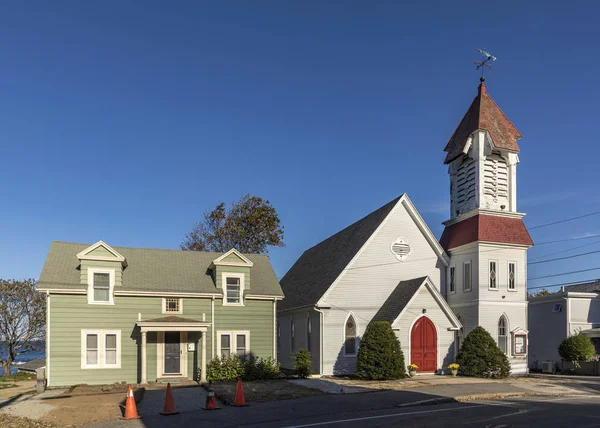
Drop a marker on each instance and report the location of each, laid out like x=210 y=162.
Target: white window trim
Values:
x=497 y=287
x=450 y=291
x=232 y=340
x=224 y=277
x=90 y=291
x=164 y=306
x=101 y=349
x=356 y=342
x=508 y=276
x=464 y=283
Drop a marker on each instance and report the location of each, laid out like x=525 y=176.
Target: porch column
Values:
x=144 y=358
x=203 y=375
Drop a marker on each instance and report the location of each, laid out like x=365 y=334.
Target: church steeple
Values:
x=482 y=158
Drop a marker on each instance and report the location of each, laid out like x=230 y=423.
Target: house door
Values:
x=172 y=352
x=423 y=345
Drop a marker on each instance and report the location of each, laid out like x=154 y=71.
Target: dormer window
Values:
x=233 y=289
x=101 y=283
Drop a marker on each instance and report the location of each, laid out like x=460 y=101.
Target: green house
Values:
x=138 y=315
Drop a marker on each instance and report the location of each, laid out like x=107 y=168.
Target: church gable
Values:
x=401 y=248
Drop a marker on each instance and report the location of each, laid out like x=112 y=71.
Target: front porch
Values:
x=179 y=341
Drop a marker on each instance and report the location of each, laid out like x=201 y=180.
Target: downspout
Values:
x=321 y=322
x=212 y=330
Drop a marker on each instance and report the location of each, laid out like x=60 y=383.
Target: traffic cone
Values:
x=239 y=395
x=169 y=408
x=130 y=407
x=211 y=401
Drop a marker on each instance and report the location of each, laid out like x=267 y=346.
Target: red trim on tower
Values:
x=486 y=228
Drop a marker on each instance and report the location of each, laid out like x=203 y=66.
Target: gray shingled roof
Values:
x=398 y=300
x=155 y=270
x=312 y=274
x=588 y=287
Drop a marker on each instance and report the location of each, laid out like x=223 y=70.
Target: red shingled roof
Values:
x=486 y=228
x=485 y=114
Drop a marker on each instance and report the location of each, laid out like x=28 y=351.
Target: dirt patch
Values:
x=9 y=421
x=88 y=404
x=262 y=391
x=16 y=388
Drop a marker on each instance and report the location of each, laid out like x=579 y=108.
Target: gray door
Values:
x=172 y=352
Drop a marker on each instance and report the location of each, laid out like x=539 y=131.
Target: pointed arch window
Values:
x=502 y=334
x=308 y=333
x=350 y=336
x=293 y=336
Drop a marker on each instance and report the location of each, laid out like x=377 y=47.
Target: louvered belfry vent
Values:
x=401 y=249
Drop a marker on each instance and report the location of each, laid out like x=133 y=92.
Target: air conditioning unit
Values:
x=548 y=367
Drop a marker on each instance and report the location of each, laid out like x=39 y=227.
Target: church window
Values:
x=400 y=249
x=293 y=335
x=493 y=275
x=512 y=276
x=308 y=333
x=467 y=276
x=452 y=279
x=502 y=339
x=350 y=336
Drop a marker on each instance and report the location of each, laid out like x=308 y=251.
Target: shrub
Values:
x=224 y=369
x=302 y=364
x=577 y=348
x=379 y=355
x=248 y=368
x=479 y=356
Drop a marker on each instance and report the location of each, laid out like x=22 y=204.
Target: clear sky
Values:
x=126 y=120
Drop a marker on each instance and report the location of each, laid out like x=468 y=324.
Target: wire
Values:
x=564 y=251
x=562 y=274
x=562 y=284
x=564 y=221
x=537 y=244
x=563 y=258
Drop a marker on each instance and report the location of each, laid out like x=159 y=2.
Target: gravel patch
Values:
x=10 y=421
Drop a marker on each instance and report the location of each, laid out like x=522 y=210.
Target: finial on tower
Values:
x=484 y=62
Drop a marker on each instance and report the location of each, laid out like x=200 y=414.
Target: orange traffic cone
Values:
x=130 y=407
x=211 y=401
x=169 y=403
x=239 y=395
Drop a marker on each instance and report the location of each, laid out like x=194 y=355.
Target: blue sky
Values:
x=126 y=120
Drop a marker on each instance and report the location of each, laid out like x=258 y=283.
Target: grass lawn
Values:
x=262 y=390
x=18 y=376
x=7 y=385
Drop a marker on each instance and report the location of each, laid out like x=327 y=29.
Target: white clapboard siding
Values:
x=503 y=255
x=372 y=276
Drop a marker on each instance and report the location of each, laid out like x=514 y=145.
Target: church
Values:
x=388 y=266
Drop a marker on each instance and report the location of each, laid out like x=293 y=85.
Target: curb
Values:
x=467 y=398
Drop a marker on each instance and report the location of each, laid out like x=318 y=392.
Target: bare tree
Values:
x=22 y=318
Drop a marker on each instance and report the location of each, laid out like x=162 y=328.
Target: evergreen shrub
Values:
x=479 y=356
x=380 y=356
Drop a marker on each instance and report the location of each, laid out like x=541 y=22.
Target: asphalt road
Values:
x=352 y=411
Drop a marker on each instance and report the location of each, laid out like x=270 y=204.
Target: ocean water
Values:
x=38 y=352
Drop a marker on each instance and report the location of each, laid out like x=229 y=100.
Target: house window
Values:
x=557 y=307
x=512 y=276
x=350 y=336
x=233 y=343
x=493 y=275
x=293 y=336
x=100 y=286
x=233 y=289
x=225 y=345
x=100 y=349
x=308 y=333
x=172 y=306
x=452 y=280
x=467 y=276
x=502 y=342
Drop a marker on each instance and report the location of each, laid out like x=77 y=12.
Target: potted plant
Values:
x=412 y=369
x=453 y=368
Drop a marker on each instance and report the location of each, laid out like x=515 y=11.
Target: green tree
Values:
x=542 y=292
x=380 y=356
x=302 y=363
x=22 y=318
x=578 y=347
x=479 y=356
x=250 y=226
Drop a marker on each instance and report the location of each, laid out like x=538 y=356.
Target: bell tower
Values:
x=485 y=236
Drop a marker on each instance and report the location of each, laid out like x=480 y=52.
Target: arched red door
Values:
x=423 y=345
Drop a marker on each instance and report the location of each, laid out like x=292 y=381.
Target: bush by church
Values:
x=479 y=356
x=379 y=355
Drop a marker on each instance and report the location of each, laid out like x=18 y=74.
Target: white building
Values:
x=389 y=266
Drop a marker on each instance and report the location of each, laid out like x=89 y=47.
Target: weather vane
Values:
x=484 y=62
